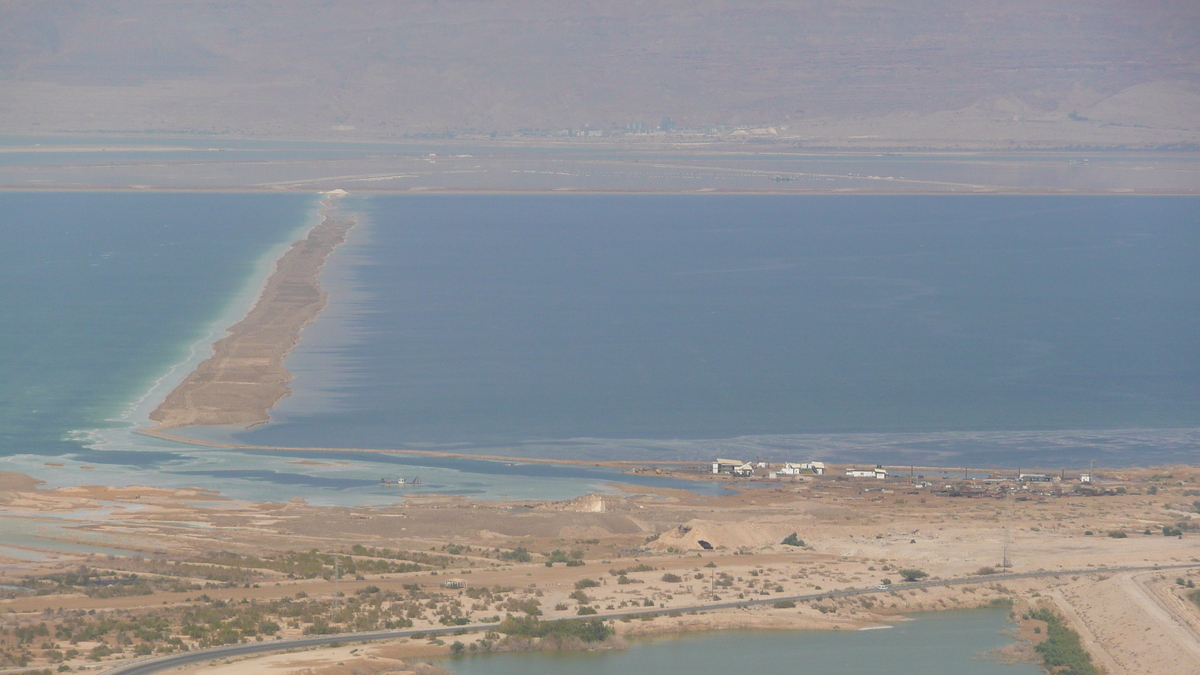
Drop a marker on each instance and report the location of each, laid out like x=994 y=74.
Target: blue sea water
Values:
x=104 y=294
x=110 y=299
x=1055 y=329
x=942 y=330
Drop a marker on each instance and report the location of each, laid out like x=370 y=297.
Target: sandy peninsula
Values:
x=244 y=378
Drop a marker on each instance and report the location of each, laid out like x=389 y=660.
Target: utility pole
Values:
x=337 y=587
x=1005 y=562
x=712 y=583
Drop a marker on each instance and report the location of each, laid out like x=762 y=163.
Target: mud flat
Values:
x=244 y=378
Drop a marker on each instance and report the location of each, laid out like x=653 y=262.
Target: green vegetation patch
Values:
x=591 y=630
x=1062 y=651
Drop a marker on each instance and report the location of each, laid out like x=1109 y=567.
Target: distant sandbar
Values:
x=244 y=378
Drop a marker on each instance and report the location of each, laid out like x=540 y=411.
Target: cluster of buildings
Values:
x=737 y=467
x=1034 y=482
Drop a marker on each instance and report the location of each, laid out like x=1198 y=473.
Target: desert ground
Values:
x=186 y=569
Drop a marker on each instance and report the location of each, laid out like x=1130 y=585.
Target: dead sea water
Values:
x=105 y=293
x=990 y=330
x=109 y=299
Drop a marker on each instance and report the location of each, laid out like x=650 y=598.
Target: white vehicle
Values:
x=883 y=587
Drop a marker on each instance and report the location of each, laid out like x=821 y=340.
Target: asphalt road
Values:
x=160 y=663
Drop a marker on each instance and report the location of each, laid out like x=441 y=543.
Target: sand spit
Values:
x=245 y=377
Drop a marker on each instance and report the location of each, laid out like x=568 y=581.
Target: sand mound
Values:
x=754 y=535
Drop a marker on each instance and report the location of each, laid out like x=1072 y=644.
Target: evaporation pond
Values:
x=945 y=643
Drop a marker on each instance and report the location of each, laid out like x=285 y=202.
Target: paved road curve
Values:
x=160 y=663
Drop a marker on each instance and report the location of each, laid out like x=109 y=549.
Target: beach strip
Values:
x=244 y=378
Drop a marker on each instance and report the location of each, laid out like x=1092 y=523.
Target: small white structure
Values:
x=1035 y=478
x=454 y=583
x=878 y=473
x=1085 y=478
x=746 y=469
x=790 y=469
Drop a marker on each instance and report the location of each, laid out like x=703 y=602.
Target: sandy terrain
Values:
x=244 y=378
x=855 y=535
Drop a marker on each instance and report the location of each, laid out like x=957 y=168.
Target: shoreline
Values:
x=162 y=433
x=842 y=579
x=244 y=377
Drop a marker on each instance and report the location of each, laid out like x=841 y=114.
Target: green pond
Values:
x=941 y=643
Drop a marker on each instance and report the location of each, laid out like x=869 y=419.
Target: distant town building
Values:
x=726 y=465
x=815 y=467
x=1036 y=478
x=878 y=473
x=790 y=469
x=1085 y=478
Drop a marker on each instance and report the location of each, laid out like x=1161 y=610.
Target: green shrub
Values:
x=913 y=575
x=671 y=578
x=518 y=554
x=792 y=540
x=1062 y=650
x=592 y=630
x=1117 y=534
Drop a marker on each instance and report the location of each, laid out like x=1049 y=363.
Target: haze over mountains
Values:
x=975 y=73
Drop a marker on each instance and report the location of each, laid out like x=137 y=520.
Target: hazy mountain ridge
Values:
x=919 y=74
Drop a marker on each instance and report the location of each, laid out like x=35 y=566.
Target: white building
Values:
x=790 y=469
x=726 y=465
x=878 y=473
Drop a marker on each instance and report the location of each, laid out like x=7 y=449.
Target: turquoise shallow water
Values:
x=981 y=330
x=109 y=299
x=949 y=329
x=946 y=643
x=103 y=293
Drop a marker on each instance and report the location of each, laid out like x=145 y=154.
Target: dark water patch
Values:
x=283 y=478
x=498 y=468
x=678 y=327
x=142 y=459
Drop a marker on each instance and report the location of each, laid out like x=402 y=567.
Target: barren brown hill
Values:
x=883 y=73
